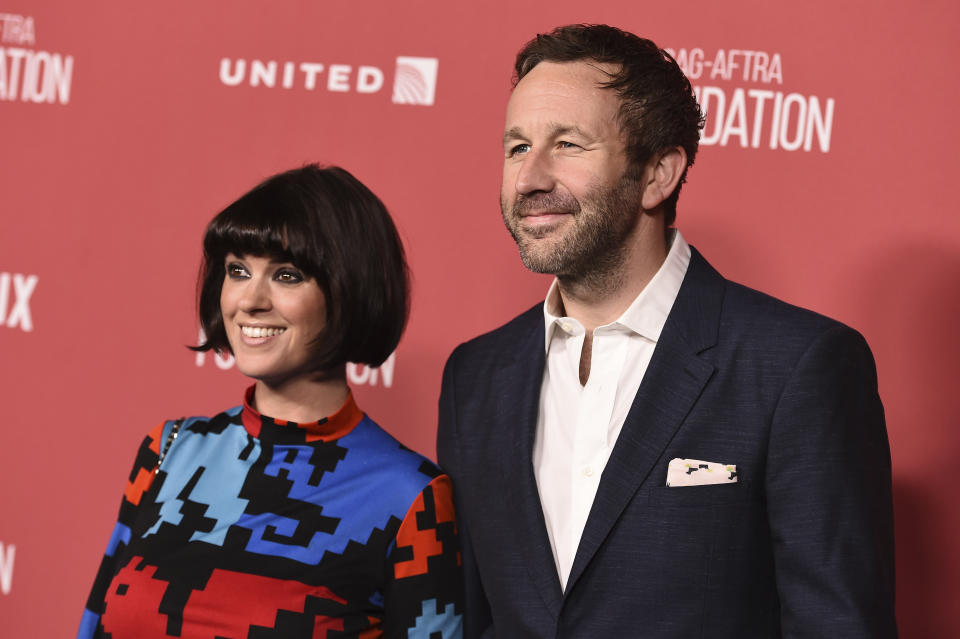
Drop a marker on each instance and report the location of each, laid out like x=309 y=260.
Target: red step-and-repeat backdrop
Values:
x=826 y=177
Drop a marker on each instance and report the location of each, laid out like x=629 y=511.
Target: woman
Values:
x=265 y=521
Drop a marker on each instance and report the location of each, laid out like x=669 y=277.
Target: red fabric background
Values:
x=104 y=195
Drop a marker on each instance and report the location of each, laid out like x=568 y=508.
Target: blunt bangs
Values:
x=264 y=223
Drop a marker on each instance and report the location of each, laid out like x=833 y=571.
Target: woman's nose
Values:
x=255 y=296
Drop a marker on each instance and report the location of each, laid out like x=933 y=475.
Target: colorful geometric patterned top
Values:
x=255 y=527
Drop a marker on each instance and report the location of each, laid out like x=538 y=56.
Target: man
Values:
x=654 y=451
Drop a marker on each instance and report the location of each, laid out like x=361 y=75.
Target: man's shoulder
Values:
x=749 y=316
x=758 y=309
x=761 y=313
x=758 y=338
x=503 y=340
x=746 y=307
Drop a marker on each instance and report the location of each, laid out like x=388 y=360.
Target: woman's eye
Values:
x=235 y=270
x=289 y=276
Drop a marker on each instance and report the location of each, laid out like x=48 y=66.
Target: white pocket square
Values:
x=693 y=472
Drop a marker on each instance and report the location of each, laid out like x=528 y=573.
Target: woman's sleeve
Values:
x=424 y=593
x=141 y=478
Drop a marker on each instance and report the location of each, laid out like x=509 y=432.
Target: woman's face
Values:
x=272 y=314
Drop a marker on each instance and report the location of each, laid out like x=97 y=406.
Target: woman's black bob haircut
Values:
x=333 y=228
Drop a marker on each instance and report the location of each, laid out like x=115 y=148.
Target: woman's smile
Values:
x=251 y=333
x=273 y=314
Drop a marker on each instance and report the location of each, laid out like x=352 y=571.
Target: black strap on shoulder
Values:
x=166 y=445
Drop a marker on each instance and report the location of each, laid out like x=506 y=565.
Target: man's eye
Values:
x=567 y=145
x=519 y=148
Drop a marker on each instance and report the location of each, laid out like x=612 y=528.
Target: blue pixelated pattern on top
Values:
x=373 y=459
x=448 y=623
x=320 y=504
x=120 y=533
x=88 y=624
x=221 y=476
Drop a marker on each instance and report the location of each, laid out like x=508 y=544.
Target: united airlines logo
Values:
x=414 y=79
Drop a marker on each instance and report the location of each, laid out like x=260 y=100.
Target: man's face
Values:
x=568 y=195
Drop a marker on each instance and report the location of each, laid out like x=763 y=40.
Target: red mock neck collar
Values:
x=326 y=429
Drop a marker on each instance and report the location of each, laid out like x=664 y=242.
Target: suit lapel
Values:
x=521 y=380
x=672 y=383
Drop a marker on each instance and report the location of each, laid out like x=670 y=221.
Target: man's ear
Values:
x=661 y=176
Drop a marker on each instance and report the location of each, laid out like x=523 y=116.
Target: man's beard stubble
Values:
x=593 y=251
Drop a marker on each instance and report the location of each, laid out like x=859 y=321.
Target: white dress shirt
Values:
x=577 y=426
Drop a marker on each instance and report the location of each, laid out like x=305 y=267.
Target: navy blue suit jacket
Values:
x=800 y=546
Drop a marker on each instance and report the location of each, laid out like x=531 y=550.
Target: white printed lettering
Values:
x=730 y=64
x=690 y=62
x=775 y=121
x=716 y=111
x=4 y=295
x=234 y=78
x=7 y=554
x=356 y=373
x=338 y=77
x=29 y=88
x=224 y=360
x=17 y=29
x=760 y=67
x=13 y=76
x=363 y=374
x=822 y=123
x=369 y=80
x=60 y=79
x=311 y=70
x=19 y=315
x=38 y=76
x=261 y=72
x=796 y=120
x=775 y=73
x=271 y=74
x=719 y=66
x=785 y=141
x=761 y=97
x=736 y=120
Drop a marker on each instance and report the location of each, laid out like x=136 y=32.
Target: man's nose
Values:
x=536 y=173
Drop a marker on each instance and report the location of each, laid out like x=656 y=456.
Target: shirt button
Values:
x=588 y=471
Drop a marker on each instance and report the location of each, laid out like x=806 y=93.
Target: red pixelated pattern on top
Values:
x=144 y=478
x=228 y=606
x=424 y=541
